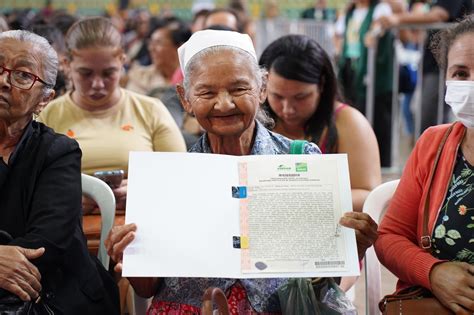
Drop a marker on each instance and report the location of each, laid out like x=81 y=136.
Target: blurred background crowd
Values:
x=379 y=49
x=368 y=70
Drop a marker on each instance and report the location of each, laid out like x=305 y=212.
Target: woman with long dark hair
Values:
x=304 y=101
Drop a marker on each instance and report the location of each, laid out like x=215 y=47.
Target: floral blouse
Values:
x=453 y=236
x=261 y=293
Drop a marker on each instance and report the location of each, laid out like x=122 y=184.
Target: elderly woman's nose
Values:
x=224 y=102
x=4 y=81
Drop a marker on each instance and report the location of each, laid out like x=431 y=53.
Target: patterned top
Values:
x=262 y=293
x=454 y=229
x=266 y=143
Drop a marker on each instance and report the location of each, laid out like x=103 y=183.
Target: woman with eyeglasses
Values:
x=43 y=254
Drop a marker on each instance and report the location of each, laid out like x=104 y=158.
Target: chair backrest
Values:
x=375 y=204
x=101 y=193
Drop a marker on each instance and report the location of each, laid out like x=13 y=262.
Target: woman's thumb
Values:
x=32 y=253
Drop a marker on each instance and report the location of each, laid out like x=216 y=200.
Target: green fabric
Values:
x=297 y=146
x=384 y=58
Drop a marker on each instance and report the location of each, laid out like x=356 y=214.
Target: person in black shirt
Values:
x=320 y=12
x=43 y=250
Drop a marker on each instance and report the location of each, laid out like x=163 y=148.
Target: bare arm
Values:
x=338 y=42
x=357 y=139
x=435 y=15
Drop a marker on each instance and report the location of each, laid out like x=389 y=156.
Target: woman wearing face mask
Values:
x=435 y=250
x=107 y=121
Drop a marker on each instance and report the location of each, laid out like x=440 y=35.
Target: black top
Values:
x=453 y=235
x=319 y=15
x=457 y=9
x=40 y=206
x=3 y=166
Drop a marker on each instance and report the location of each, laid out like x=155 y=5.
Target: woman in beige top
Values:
x=106 y=120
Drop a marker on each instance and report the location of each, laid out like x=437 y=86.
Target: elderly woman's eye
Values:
x=22 y=77
x=206 y=94
x=239 y=90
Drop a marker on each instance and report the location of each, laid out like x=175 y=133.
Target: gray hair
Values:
x=260 y=75
x=49 y=55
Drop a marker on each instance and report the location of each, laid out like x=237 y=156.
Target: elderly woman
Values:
x=426 y=237
x=223 y=88
x=43 y=251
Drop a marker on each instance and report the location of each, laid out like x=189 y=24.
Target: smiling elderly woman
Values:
x=42 y=247
x=223 y=88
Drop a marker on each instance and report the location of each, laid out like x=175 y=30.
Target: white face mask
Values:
x=460 y=96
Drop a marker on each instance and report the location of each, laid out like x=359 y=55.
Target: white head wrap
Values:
x=210 y=38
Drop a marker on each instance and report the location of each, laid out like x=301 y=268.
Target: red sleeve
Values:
x=397 y=247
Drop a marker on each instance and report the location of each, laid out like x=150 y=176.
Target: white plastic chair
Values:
x=375 y=204
x=140 y=305
x=101 y=193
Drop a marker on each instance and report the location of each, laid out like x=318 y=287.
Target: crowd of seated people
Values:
x=111 y=90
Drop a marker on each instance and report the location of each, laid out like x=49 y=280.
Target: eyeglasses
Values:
x=21 y=79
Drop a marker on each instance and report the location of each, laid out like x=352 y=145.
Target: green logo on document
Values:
x=283 y=167
x=301 y=167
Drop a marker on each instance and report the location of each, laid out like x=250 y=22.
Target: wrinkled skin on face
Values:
x=16 y=105
x=224 y=96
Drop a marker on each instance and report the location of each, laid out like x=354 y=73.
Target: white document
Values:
x=190 y=221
